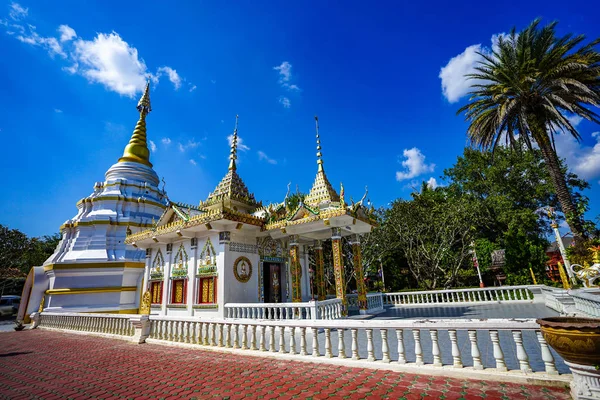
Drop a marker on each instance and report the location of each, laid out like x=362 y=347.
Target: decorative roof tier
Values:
x=137 y=148
x=322 y=190
x=231 y=186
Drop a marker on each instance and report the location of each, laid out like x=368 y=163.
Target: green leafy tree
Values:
x=510 y=186
x=526 y=87
x=434 y=231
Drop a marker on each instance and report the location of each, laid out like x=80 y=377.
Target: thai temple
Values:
x=130 y=240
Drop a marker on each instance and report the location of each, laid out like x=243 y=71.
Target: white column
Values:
x=166 y=283
x=191 y=286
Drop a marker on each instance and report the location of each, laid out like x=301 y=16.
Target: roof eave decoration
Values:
x=209 y=216
x=137 y=148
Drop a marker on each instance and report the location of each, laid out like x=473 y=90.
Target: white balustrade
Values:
x=328 y=309
x=587 y=303
x=107 y=324
x=500 y=294
x=487 y=345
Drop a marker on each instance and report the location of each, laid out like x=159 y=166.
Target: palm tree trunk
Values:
x=560 y=186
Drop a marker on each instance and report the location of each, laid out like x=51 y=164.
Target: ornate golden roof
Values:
x=322 y=191
x=137 y=148
x=231 y=186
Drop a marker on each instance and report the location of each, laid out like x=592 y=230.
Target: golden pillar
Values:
x=320 y=271
x=358 y=272
x=338 y=268
x=296 y=269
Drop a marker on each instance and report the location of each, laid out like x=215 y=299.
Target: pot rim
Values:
x=569 y=322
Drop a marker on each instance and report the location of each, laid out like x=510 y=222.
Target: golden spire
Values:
x=319 y=159
x=233 y=154
x=137 y=148
x=322 y=191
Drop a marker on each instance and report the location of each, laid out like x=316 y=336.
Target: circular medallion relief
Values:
x=242 y=269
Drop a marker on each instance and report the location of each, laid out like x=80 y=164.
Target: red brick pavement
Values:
x=52 y=365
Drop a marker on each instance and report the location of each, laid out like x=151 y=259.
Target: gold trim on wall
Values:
x=92 y=290
x=118 y=264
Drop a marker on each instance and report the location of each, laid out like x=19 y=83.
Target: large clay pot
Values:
x=577 y=340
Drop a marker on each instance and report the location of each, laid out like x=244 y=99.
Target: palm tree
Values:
x=526 y=88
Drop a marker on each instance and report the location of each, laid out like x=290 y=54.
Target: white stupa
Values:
x=92 y=269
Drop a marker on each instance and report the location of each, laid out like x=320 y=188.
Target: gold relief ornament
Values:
x=42 y=304
x=242 y=269
x=146 y=301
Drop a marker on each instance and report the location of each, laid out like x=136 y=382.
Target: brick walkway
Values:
x=52 y=365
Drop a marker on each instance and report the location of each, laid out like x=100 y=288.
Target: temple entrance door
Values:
x=272 y=282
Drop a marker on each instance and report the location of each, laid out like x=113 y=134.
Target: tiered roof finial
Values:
x=137 y=148
x=322 y=191
x=233 y=154
x=319 y=155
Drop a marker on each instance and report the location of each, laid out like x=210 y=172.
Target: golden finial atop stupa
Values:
x=319 y=155
x=234 y=139
x=137 y=148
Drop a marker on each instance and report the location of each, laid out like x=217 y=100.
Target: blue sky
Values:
x=385 y=79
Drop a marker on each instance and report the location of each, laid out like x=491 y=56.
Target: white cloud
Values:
x=581 y=159
x=172 y=74
x=17 y=12
x=66 y=33
x=285 y=102
x=285 y=80
x=58 y=110
x=285 y=71
x=191 y=144
x=106 y=59
x=193 y=162
x=414 y=165
x=166 y=141
x=454 y=83
x=152 y=146
x=263 y=156
x=193 y=88
x=432 y=183
x=49 y=43
x=111 y=61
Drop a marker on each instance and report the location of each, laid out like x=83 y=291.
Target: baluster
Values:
x=315 y=343
x=262 y=347
x=498 y=354
x=282 y=339
x=341 y=344
x=303 y=341
x=370 y=349
x=194 y=332
x=171 y=325
x=385 y=349
x=236 y=339
x=521 y=353
x=355 y=355
x=272 y=339
x=187 y=332
x=457 y=362
x=328 y=352
x=400 y=337
x=435 y=348
x=292 y=340
x=253 y=341
x=220 y=329
x=475 y=350
x=546 y=355
x=227 y=328
x=418 y=348
x=244 y=337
